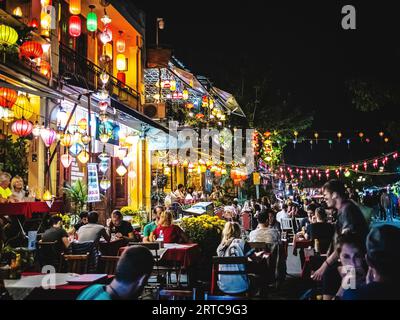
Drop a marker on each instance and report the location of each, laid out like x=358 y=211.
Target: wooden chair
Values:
x=217 y=261
x=108 y=264
x=48 y=253
x=72 y=263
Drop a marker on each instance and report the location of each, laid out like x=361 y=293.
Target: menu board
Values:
x=93 y=183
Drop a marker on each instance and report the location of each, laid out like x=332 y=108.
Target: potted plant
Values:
x=77 y=194
x=137 y=218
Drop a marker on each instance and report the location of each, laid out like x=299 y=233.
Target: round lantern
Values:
x=106 y=35
x=83 y=156
x=48 y=136
x=45 y=68
x=121 y=43
x=91 y=20
x=105 y=183
x=45 y=21
x=7 y=97
x=67 y=140
x=75 y=6
x=66 y=160
x=172 y=85
x=31 y=50
x=75 y=26
x=121 y=62
x=22 y=107
x=34 y=23
x=22 y=128
x=121 y=77
x=8 y=35
x=185 y=94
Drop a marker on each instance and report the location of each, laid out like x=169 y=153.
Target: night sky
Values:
x=305 y=51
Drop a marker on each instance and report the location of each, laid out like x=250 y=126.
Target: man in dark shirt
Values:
x=350 y=219
x=383 y=259
x=119 y=228
x=56 y=233
x=84 y=220
x=321 y=230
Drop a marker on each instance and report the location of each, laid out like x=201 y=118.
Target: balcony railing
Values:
x=73 y=63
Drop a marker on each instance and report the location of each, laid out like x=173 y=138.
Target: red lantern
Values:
x=121 y=77
x=75 y=26
x=34 y=23
x=7 y=97
x=31 y=50
x=45 y=68
x=22 y=127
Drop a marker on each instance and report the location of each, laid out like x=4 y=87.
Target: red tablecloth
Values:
x=28 y=208
x=300 y=244
x=185 y=255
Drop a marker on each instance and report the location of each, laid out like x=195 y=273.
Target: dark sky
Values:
x=303 y=48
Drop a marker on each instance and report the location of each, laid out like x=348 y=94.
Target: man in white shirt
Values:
x=264 y=233
x=179 y=193
x=282 y=214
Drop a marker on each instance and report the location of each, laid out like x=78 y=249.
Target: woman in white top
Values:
x=17 y=188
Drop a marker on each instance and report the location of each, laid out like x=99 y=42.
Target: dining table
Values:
x=51 y=286
x=28 y=209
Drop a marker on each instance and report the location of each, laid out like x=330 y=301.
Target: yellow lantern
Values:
x=8 y=35
x=45 y=20
x=75 y=6
x=22 y=107
x=203 y=169
x=185 y=163
x=172 y=85
x=47 y=196
x=121 y=170
x=17 y=12
x=185 y=94
x=121 y=62
x=209 y=163
x=8 y=115
x=44 y=3
x=83 y=157
x=67 y=140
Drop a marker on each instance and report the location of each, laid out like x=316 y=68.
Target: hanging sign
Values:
x=93 y=183
x=256 y=178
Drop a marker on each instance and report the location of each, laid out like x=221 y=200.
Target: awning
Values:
x=228 y=101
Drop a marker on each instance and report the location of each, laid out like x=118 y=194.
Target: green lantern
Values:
x=91 y=20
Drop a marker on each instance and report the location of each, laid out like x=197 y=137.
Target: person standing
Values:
x=386 y=205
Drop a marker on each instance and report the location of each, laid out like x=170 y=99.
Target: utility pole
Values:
x=256 y=102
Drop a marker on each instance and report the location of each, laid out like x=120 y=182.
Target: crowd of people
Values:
x=12 y=190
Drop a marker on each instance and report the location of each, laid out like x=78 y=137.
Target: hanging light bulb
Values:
x=121 y=170
x=83 y=156
x=66 y=160
x=105 y=183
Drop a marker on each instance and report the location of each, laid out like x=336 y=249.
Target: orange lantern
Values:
x=121 y=43
x=75 y=6
x=31 y=50
x=45 y=68
x=7 y=97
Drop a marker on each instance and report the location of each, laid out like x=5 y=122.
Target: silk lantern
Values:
x=22 y=128
x=91 y=20
x=48 y=136
x=22 y=107
x=7 y=97
x=75 y=6
x=66 y=160
x=75 y=26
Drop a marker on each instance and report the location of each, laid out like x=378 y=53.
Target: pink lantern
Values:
x=48 y=136
x=106 y=35
x=22 y=127
x=66 y=160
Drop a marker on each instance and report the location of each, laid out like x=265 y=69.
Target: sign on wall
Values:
x=93 y=183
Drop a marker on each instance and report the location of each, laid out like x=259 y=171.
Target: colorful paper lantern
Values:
x=8 y=115
x=45 y=22
x=82 y=124
x=121 y=44
x=85 y=139
x=91 y=20
x=106 y=34
x=172 y=85
x=75 y=6
x=104 y=77
x=8 y=36
x=66 y=160
x=83 y=156
x=45 y=68
x=103 y=105
x=31 y=50
x=121 y=170
x=104 y=137
x=75 y=149
x=7 y=97
x=48 y=136
x=75 y=26
x=22 y=107
x=105 y=183
x=103 y=166
x=121 y=62
x=22 y=128
x=67 y=140
x=185 y=94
